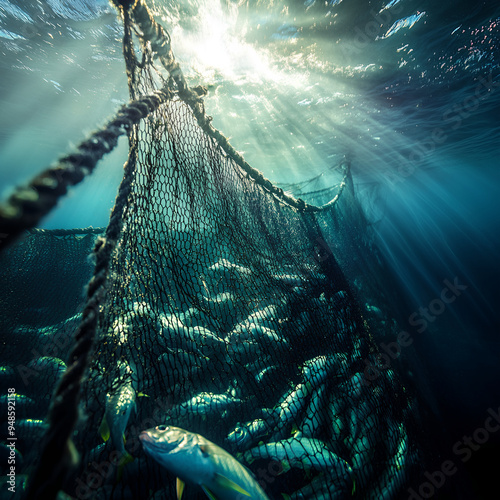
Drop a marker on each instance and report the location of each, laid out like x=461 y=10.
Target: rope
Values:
x=150 y=31
x=28 y=204
x=68 y=232
x=59 y=456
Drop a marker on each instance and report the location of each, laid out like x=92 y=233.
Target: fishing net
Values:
x=224 y=310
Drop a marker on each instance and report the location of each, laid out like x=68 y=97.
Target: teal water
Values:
x=408 y=90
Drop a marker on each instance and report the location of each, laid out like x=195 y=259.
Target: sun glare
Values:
x=216 y=49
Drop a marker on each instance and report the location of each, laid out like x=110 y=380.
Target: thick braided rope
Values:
x=68 y=232
x=28 y=204
x=58 y=455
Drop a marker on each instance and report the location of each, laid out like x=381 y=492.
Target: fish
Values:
x=193 y=339
x=226 y=307
x=269 y=316
x=261 y=334
x=243 y=352
x=304 y=453
x=315 y=414
x=197 y=317
x=395 y=477
x=119 y=406
x=316 y=370
x=45 y=372
x=8 y=377
x=24 y=406
x=246 y=435
x=227 y=268
x=33 y=429
x=224 y=275
x=206 y=403
x=362 y=465
x=176 y=367
x=195 y=459
x=290 y=408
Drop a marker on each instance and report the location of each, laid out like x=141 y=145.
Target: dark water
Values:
x=409 y=90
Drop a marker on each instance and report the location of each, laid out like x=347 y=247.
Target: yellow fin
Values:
x=126 y=459
x=142 y=395
x=208 y=493
x=285 y=465
x=104 y=429
x=227 y=483
x=179 y=488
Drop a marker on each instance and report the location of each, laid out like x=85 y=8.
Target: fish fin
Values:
x=227 y=483
x=285 y=466
x=179 y=487
x=104 y=429
x=353 y=479
x=126 y=459
x=285 y=496
x=142 y=395
x=208 y=493
x=295 y=429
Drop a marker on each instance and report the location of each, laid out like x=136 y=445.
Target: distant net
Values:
x=225 y=312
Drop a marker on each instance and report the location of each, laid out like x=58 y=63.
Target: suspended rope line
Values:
x=216 y=304
x=151 y=31
x=59 y=456
x=68 y=232
x=28 y=204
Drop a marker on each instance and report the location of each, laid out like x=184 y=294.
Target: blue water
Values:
x=409 y=90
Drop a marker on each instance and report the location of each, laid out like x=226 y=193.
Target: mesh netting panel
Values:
x=42 y=282
x=227 y=315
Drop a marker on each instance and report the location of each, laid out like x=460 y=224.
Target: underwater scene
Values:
x=249 y=249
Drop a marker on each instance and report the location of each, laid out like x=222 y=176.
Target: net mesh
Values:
x=227 y=313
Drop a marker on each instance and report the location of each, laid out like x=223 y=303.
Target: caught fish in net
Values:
x=222 y=350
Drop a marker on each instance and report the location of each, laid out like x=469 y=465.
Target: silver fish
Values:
x=195 y=459
x=205 y=403
x=315 y=414
x=246 y=435
x=316 y=370
x=303 y=453
x=119 y=406
x=394 y=480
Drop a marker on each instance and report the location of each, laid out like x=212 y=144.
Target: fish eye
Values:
x=162 y=427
